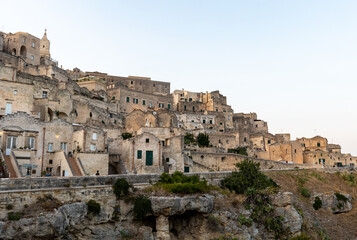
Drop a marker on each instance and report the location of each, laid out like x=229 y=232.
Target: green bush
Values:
x=180 y=183
x=317 y=203
x=142 y=206
x=239 y=150
x=341 y=197
x=9 y=207
x=126 y=135
x=189 y=138
x=93 y=207
x=305 y=192
x=14 y=216
x=248 y=176
x=121 y=187
x=263 y=213
x=203 y=140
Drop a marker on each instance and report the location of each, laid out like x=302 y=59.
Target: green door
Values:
x=149 y=157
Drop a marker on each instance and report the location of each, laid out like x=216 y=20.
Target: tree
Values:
x=203 y=140
x=189 y=138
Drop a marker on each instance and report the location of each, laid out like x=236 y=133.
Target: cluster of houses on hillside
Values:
x=56 y=122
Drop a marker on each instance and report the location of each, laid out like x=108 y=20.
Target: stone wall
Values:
x=93 y=162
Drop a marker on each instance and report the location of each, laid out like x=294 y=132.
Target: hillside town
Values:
x=57 y=122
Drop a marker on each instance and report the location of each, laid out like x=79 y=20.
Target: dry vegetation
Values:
x=321 y=224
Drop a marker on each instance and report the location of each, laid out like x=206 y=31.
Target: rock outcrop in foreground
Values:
x=187 y=217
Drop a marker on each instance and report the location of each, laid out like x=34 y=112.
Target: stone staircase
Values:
x=74 y=166
x=10 y=168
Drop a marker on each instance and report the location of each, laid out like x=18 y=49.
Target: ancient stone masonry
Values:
x=56 y=122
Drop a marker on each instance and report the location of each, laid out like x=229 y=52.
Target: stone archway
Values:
x=23 y=51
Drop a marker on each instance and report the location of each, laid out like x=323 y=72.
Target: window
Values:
x=15 y=92
x=33 y=44
x=127 y=99
x=318 y=144
x=245 y=139
x=50 y=161
x=30 y=142
x=92 y=147
x=144 y=102
x=140 y=154
x=24 y=40
x=193 y=108
x=64 y=147
x=190 y=99
x=50 y=147
x=44 y=94
x=216 y=109
x=131 y=82
x=150 y=104
x=113 y=98
x=221 y=124
x=294 y=150
x=210 y=121
x=161 y=105
x=187 y=169
x=147 y=140
x=203 y=121
x=94 y=136
x=221 y=130
x=269 y=141
x=168 y=106
x=32 y=57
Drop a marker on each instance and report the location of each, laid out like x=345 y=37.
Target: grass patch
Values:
x=245 y=221
x=302 y=236
x=318 y=176
x=305 y=192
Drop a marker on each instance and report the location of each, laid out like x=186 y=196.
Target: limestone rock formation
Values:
x=334 y=202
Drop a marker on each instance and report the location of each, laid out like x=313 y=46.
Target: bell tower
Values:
x=45 y=46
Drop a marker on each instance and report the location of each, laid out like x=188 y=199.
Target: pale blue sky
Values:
x=292 y=62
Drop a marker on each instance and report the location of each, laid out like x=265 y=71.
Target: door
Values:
x=8 y=108
x=10 y=144
x=149 y=158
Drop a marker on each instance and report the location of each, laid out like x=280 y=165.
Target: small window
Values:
x=32 y=57
x=113 y=98
x=92 y=147
x=203 y=121
x=24 y=40
x=168 y=106
x=94 y=136
x=30 y=142
x=15 y=92
x=210 y=121
x=167 y=159
x=50 y=147
x=193 y=108
x=150 y=104
x=33 y=44
x=245 y=139
x=318 y=144
x=147 y=140
x=132 y=82
x=44 y=94
x=294 y=150
x=161 y=105
x=187 y=169
x=221 y=124
x=269 y=141
x=140 y=154
x=127 y=99
x=190 y=99
x=144 y=102
x=50 y=161
x=221 y=130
